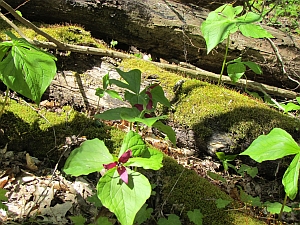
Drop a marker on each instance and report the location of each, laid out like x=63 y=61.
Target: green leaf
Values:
x=218 y=25
x=172 y=219
x=105 y=81
x=133 y=79
x=158 y=95
x=222 y=203
x=251 y=171
x=248 y=18
x=290 y=178
x=298 y=100
x=166 y=130
x=134 y=142
x=95 y=200
x=77 y=220
x=115 y=114
x=143 y=214
x=124 y=200
x=114 y=94
x=195 y=216
x=254 y=67
x=103 y=221
x=27 y=69
x=277 y=144
x=290 y=107
x=19 y=13
x=248 y=199
x=216 y=176
x=152 y=159
x=254 y=31
x=3 y=198
x=99 y=92
x=275 y=207
x=236 y=71
x=88 y=158
x=149 y=122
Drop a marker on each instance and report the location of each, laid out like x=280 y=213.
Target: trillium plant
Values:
x=122 y=189
x=143 y=102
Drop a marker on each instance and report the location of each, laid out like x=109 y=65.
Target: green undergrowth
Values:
x=183 y=190
x=208 y=108
x=23 y=129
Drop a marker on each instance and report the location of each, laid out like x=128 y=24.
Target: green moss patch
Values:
x=26 y=130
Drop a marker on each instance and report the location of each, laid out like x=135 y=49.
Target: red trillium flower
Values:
x=150 y=103
x=119 y=164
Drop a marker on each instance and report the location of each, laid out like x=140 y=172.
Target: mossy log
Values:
x=170 y=30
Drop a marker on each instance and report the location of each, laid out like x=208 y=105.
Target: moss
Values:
x=207 y=108
x=70 y=34
x=183 y=190
x=25 y=130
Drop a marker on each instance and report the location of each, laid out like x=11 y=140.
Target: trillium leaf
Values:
x=27 y=69
x=290 y=178
x=113 y=94
x=254 y=31
x=88 y=158
x=151 y=159
x=124 y=200
x=236 y=71
x=166 y=130
x=133 y=79
x=277 y=144
x=147 y=121
x=134 y=142
x=254 y=67
x=158 y=95
x=115 y=114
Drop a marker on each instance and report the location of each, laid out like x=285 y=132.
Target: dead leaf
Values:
x=30 y=163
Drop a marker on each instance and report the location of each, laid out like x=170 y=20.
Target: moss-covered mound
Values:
x=43 y=133
x=208 y=108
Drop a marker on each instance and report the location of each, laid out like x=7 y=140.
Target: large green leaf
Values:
x=115 y=114
x=133 y=79
x=152 y=159
x=224 y=21
x=290 y=178
x=88 y=158
x=218 y=26
x=134 y=142
x=277 y=144
x=27 y=69
x=124 y=200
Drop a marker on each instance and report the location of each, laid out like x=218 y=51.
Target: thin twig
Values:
x=279 y=58
x=2 y=16
x=29 y=24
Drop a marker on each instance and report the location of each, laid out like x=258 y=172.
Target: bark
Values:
x=170 y=30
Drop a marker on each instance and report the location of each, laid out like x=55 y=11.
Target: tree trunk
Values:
x=170 y=30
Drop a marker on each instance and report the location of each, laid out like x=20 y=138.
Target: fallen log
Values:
x=171 y=30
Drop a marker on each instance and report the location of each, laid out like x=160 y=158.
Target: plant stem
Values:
x=282 y=207
x=5 y=102
x=224 y=61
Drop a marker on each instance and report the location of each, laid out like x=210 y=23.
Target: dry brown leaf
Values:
x=30 y=163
